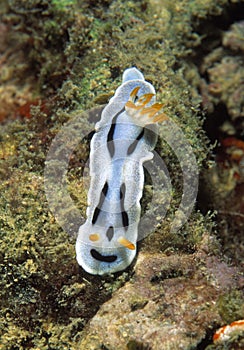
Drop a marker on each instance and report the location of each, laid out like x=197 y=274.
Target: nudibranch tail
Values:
x=136 y=108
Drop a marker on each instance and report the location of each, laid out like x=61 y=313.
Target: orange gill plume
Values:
x=140 y=113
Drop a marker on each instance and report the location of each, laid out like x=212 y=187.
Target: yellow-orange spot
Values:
x=94 y=237
x=126 y=243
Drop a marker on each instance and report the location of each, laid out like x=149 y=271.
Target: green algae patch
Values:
x=231 y=306
x=42 y=296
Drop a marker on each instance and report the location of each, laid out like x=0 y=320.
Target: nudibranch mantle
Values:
x=123 y=141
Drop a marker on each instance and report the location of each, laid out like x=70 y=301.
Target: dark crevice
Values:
x=214 y=120
x=211 y=30
x=167 y=274
x=207 y=340
x=137 y=345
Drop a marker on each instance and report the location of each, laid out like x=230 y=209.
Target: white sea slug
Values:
x=124 y=139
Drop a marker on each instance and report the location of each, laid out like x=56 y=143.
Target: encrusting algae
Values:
x=58 y=59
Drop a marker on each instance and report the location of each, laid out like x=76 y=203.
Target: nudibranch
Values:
x=123 y=141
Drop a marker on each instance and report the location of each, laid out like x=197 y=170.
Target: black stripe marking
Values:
x=122 y=194
x=106 y=258
x=110 y=233
x=110 y=140
x=105 y=189
x=132 y=147
x=101 y=200
x=125 y=219
x=95 y=215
